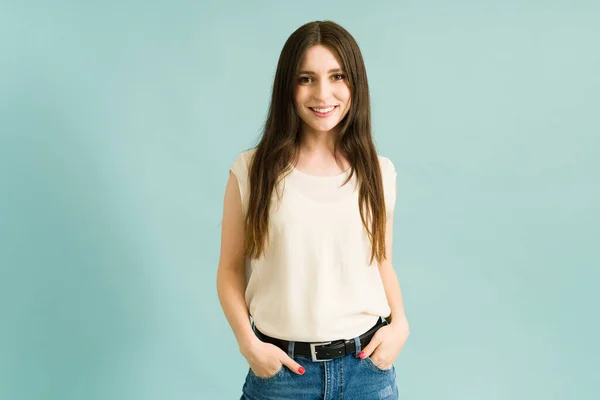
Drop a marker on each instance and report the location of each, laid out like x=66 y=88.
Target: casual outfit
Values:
x=315 y=284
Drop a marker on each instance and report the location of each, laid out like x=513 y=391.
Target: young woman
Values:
x=306 y=246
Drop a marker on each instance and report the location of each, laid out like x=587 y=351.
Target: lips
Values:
x=328 y=111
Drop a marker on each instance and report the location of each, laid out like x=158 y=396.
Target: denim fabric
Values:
x=344 y=378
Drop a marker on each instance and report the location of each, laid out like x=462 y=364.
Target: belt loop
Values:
x=357 y=345
x=291 y=345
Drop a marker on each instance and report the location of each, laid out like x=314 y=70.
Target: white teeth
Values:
x=323 y=110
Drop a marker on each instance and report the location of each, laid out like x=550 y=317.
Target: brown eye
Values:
x=301 y=79
x=341 y=77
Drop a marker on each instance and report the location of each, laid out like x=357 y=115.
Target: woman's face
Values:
x=322 y=91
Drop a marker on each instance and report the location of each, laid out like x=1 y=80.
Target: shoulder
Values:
x=246 y=155
x=242 y=162
x=388 y=173
x=240 y=169
x=386 y=165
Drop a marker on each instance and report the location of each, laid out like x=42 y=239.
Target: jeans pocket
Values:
x=371 y=364
x=276 y=376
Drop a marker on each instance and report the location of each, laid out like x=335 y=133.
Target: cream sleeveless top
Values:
x=314 y=281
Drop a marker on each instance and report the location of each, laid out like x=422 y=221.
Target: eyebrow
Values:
x=314 y=73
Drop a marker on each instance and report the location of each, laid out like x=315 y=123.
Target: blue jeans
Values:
x=343 y=378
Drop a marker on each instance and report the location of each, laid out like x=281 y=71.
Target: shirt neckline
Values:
x=321 y=177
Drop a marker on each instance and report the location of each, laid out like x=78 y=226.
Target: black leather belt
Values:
x=323 y=351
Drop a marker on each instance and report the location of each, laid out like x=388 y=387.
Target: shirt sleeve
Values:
x=390 y=188
x=240 y=170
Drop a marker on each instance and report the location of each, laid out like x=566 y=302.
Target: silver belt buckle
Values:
x=313 y=352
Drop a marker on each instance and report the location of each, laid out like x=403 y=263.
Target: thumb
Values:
x=292 y=365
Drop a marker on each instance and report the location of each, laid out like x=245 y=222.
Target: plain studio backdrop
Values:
x=119 y=122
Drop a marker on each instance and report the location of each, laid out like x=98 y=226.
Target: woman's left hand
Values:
x=386 y=344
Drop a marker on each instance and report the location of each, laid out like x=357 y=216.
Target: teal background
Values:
x=119 y=122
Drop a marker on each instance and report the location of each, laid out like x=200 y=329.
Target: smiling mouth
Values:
x=323 y=110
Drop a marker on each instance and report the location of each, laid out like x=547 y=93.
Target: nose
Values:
x=322 y=91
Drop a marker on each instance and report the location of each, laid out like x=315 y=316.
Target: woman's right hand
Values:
x=266 y=359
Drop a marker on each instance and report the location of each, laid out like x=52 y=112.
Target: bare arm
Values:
x=390 y=280
x=231 y=280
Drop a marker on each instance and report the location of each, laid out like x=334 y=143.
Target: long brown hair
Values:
x=278 y=146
